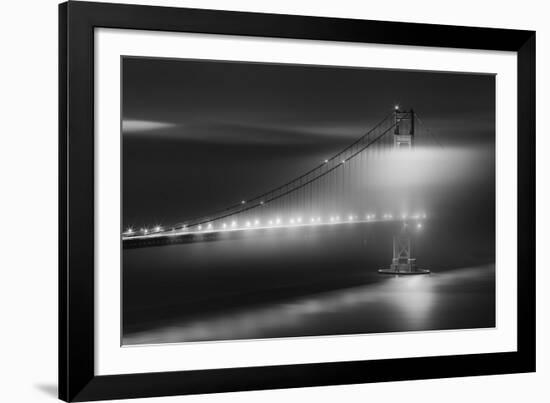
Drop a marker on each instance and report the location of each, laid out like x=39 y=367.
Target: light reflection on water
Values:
x=461 y=298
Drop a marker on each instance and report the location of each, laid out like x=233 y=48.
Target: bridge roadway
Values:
x=167 y=237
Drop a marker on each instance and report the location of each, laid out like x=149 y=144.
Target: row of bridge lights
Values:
x=278 y=221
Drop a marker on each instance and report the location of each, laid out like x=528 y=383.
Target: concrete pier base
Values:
x=403 y=272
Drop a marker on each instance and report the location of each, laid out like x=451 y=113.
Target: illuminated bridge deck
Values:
x=166 y=237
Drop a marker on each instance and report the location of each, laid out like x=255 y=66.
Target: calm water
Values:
x=309 y=281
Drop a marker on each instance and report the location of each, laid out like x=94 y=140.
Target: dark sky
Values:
x=199 y=135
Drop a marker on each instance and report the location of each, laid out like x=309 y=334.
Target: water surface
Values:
x=307 y=281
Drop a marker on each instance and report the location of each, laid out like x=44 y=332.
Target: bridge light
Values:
x=199 y=227
x=292 y=220
x=224 y=225
x=419 y=225
x=325 y=161
x=243 y=201
x=396 y=107
x=337 y=218
x=350 y=218
x=256 y=222
x=248 y=223
x=312 y=219
x=270 y=222
x=262 y=202
x=233 y=223
x=278 y=221
x=299 y=219
x=130 y=230
x=343 y=161
x=157 y=228
x=144 y=230
x=209 y=226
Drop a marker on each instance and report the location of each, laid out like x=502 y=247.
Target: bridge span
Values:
x=335 y=192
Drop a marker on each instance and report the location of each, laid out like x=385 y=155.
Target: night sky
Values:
x=200 y=135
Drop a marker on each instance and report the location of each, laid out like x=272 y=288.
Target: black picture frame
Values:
x=77 y=379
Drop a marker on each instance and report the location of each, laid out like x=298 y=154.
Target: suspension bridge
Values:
x=335 y=192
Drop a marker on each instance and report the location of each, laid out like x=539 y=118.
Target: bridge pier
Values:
x=402 y=262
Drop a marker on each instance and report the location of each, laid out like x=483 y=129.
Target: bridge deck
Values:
x=176 y=237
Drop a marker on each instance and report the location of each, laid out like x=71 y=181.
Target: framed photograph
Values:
x=258 y=201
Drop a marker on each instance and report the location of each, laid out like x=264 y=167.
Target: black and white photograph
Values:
x=275 y=201
x=264 y=200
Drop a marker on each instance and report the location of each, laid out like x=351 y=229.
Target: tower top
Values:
x=404 y=128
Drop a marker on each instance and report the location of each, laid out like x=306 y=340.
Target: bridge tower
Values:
x=403 y=136
x=402 y=262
